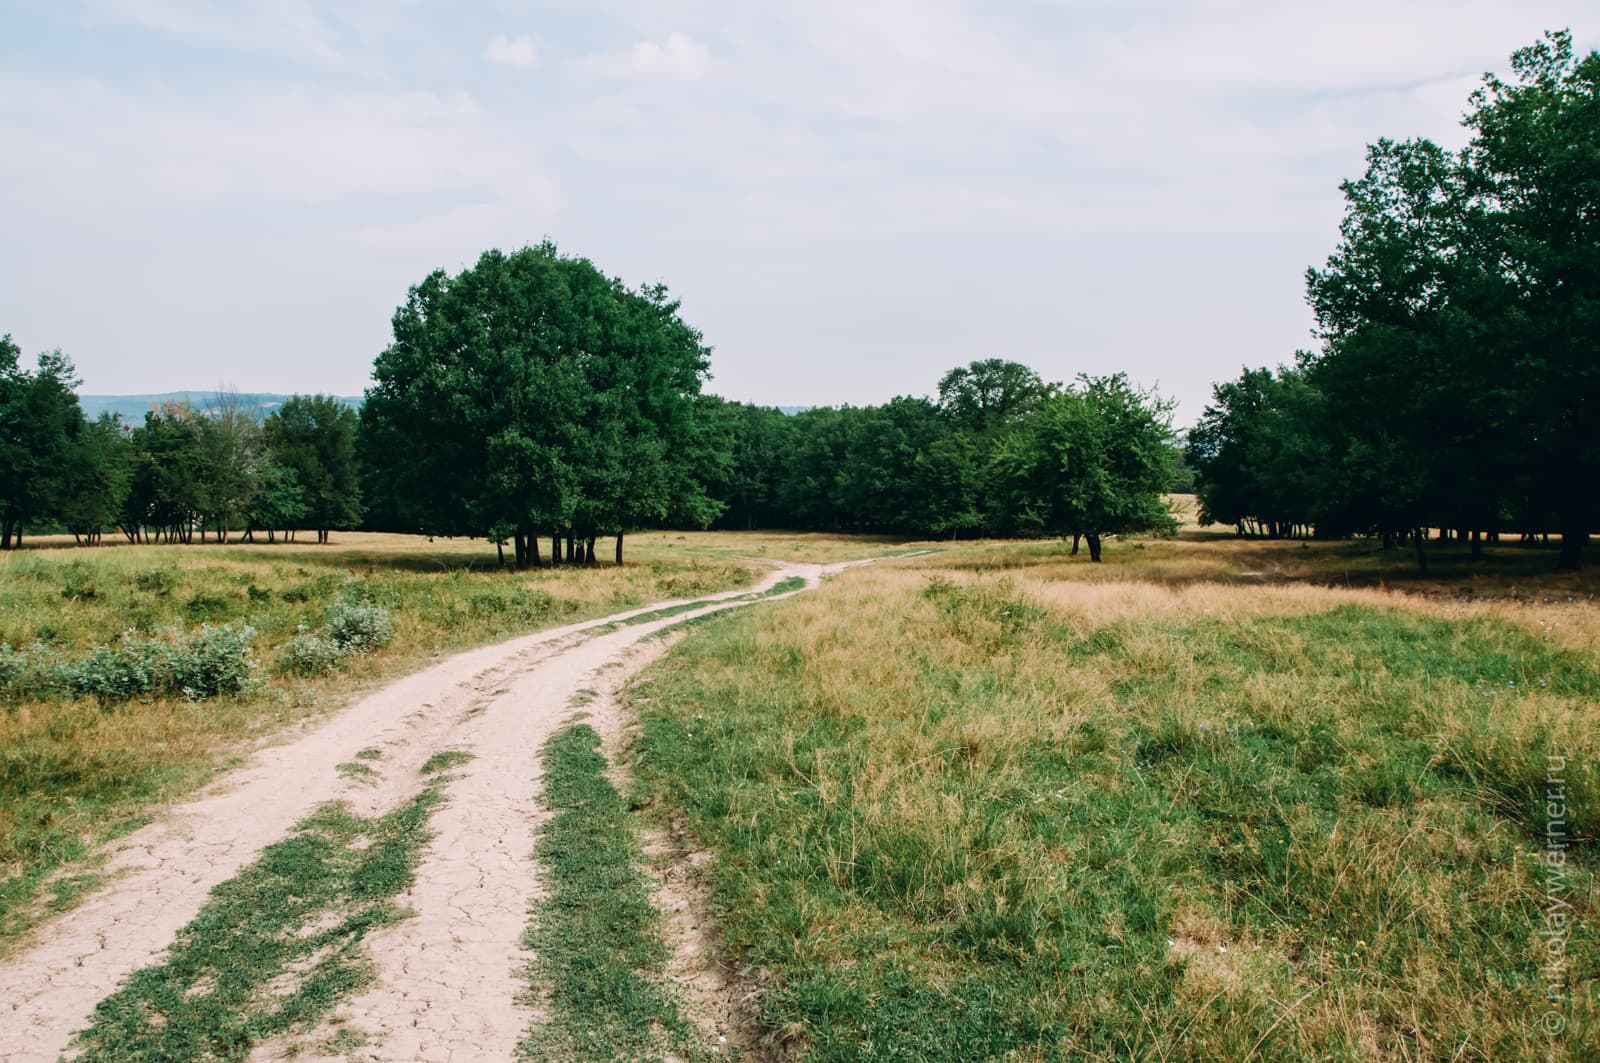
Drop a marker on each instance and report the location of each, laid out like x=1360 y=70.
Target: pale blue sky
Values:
x=849 y=197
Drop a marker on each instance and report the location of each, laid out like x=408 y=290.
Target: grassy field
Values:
x=817 y=548
x=78 y=767
x=1209 y=800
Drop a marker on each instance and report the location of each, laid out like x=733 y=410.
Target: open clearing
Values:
x=1211 y=799
x=444 y=983
x=1184 y=805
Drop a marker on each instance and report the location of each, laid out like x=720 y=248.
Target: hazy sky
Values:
x=849 y=196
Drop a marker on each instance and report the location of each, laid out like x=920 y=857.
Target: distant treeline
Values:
x=530 y=396
x=999 y=453
x=179 y=475
x=1458 y=382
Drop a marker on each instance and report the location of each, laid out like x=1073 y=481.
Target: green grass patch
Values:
x=444 y=760
x=355 y=769
x=601 y=958
x=274 y=949
x=954 y=823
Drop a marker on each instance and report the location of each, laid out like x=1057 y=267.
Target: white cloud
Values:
x=679 y=57
x=513 y=51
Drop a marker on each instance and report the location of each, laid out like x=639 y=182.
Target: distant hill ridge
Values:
x=132 y=408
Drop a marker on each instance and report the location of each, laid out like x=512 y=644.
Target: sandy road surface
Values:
x=449 y=978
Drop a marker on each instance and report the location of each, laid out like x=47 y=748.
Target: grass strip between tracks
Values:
x=274 y=949
x=600 y=961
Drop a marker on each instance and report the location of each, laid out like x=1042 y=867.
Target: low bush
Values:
x=309 y=653
x=359 y=627
x=352 y=627
x=212 y=661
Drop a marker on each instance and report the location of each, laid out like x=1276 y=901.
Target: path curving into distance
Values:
x=449 y=982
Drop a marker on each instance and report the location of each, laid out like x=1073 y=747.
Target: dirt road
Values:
x=450 y=977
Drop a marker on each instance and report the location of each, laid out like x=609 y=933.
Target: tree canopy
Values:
x=1458 y=382
x=533 y=393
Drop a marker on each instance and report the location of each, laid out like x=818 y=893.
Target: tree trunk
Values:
x=1574 y=537
x=619 y=548
x=555 y=550
x=1093 y=539
x=1422 y=553
x=500 y=552
x=1075 y=537
x=1477 y=547
x=573 y=556
x=534 y=560
x=588 y=557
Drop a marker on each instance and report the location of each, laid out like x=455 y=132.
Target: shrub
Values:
x=204 y=606
x=357 y=627
x=26 y=672
x=157 y=581
x=309 y=653
x=131 y=667
x=214 y=660
x=77 y=582
x=353 y=627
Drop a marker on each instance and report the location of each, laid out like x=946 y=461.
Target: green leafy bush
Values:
x=309 y=653
x=214 y=660
x=353 y=627
x=359 y=627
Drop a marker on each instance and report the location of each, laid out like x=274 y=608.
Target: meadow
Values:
x=1212 y=799
x=130 y=675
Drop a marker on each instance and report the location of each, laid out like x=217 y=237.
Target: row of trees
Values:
x=1457 y=386
x=183 y=472
x=1001 y=452
x=530 y=395
x=448 y=449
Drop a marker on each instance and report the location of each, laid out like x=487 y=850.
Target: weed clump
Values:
x=358 y=627
x=352 y=628
x=309 y=653
x=213 y=661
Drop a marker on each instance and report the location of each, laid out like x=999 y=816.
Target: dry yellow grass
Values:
x=1000 y=800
